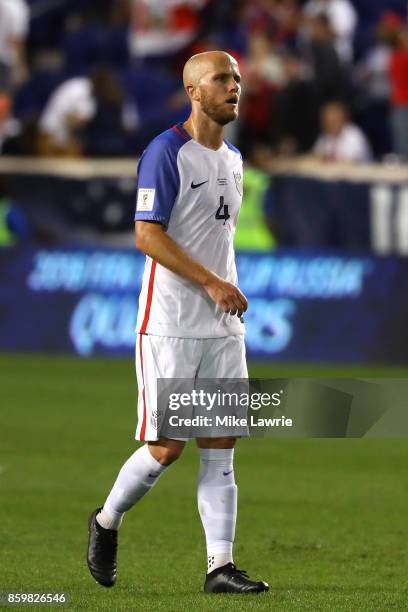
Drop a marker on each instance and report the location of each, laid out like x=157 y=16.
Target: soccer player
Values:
x=190 y=312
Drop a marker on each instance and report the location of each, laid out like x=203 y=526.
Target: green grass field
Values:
x=324 y=521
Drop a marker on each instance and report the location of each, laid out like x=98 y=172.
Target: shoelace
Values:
x=240 y=571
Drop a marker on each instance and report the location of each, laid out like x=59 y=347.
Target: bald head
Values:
x=201 y=64
x=212 y=82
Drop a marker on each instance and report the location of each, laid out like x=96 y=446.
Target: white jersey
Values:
x=73 y=97
x=196 y=194
x=350 y=145
x=14 y=23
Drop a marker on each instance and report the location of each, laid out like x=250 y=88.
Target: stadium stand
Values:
x=145 y=44
x=297 y=59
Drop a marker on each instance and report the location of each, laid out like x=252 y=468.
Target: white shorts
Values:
x=163 y=357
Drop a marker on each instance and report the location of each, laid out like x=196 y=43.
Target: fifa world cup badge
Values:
x=238 y=182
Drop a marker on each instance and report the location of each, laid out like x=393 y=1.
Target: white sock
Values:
x=217 y=504
x=138 y=475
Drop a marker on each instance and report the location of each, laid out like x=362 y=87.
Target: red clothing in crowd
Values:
x=399 y=77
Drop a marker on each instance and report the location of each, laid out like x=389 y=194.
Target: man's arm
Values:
x=20 y=72
x=152 y=240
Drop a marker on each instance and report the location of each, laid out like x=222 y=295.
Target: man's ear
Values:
x=193 y=93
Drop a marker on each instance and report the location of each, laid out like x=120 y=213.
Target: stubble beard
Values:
x=214 y=112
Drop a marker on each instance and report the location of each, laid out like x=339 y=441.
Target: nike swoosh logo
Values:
x=226 y=473
x=198 y=184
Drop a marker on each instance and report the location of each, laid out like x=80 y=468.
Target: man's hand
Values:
x=152 y=239
x=226 y=295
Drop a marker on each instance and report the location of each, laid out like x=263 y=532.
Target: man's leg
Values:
x=217 y=498
x=138 y=475
x=217 y=505
x=156 y=357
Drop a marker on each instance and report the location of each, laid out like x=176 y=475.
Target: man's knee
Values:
x=220 y=443
x=166 y=451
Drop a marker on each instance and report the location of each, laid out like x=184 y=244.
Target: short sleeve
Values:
x=158 y=182
x=19 y=19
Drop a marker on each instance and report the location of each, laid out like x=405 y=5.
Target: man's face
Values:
x=333 y=119
x=220 y=91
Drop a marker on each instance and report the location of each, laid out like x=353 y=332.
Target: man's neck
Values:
x=205 y=131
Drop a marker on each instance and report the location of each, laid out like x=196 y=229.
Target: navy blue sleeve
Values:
x=158 y=182
x=231 y=146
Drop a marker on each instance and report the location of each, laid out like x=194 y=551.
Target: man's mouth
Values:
x=232 y=100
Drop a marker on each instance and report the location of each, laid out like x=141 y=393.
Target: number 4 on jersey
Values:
x=222 y=211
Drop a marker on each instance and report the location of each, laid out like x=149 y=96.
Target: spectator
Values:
x=399 y=93
x=70 y=108
x=322 y=55
x=295 y=122
x=85 y=33
x=88 y=115
x=262 y=60
x=161 y=27
x=343 y=21
x=373 y=89
x=263 y=75
x=372 y=71
x=14 y=21
x=115 y=118
x=340 y=140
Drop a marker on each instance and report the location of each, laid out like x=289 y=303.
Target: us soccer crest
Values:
x=238 y=182
x=155 y=419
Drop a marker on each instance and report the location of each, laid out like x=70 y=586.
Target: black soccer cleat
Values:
x=102 y=547
x=229 y=579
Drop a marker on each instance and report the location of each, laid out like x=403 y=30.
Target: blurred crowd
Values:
x=100 y=78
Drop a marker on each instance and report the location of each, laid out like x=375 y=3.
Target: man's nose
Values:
x=234 y=86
